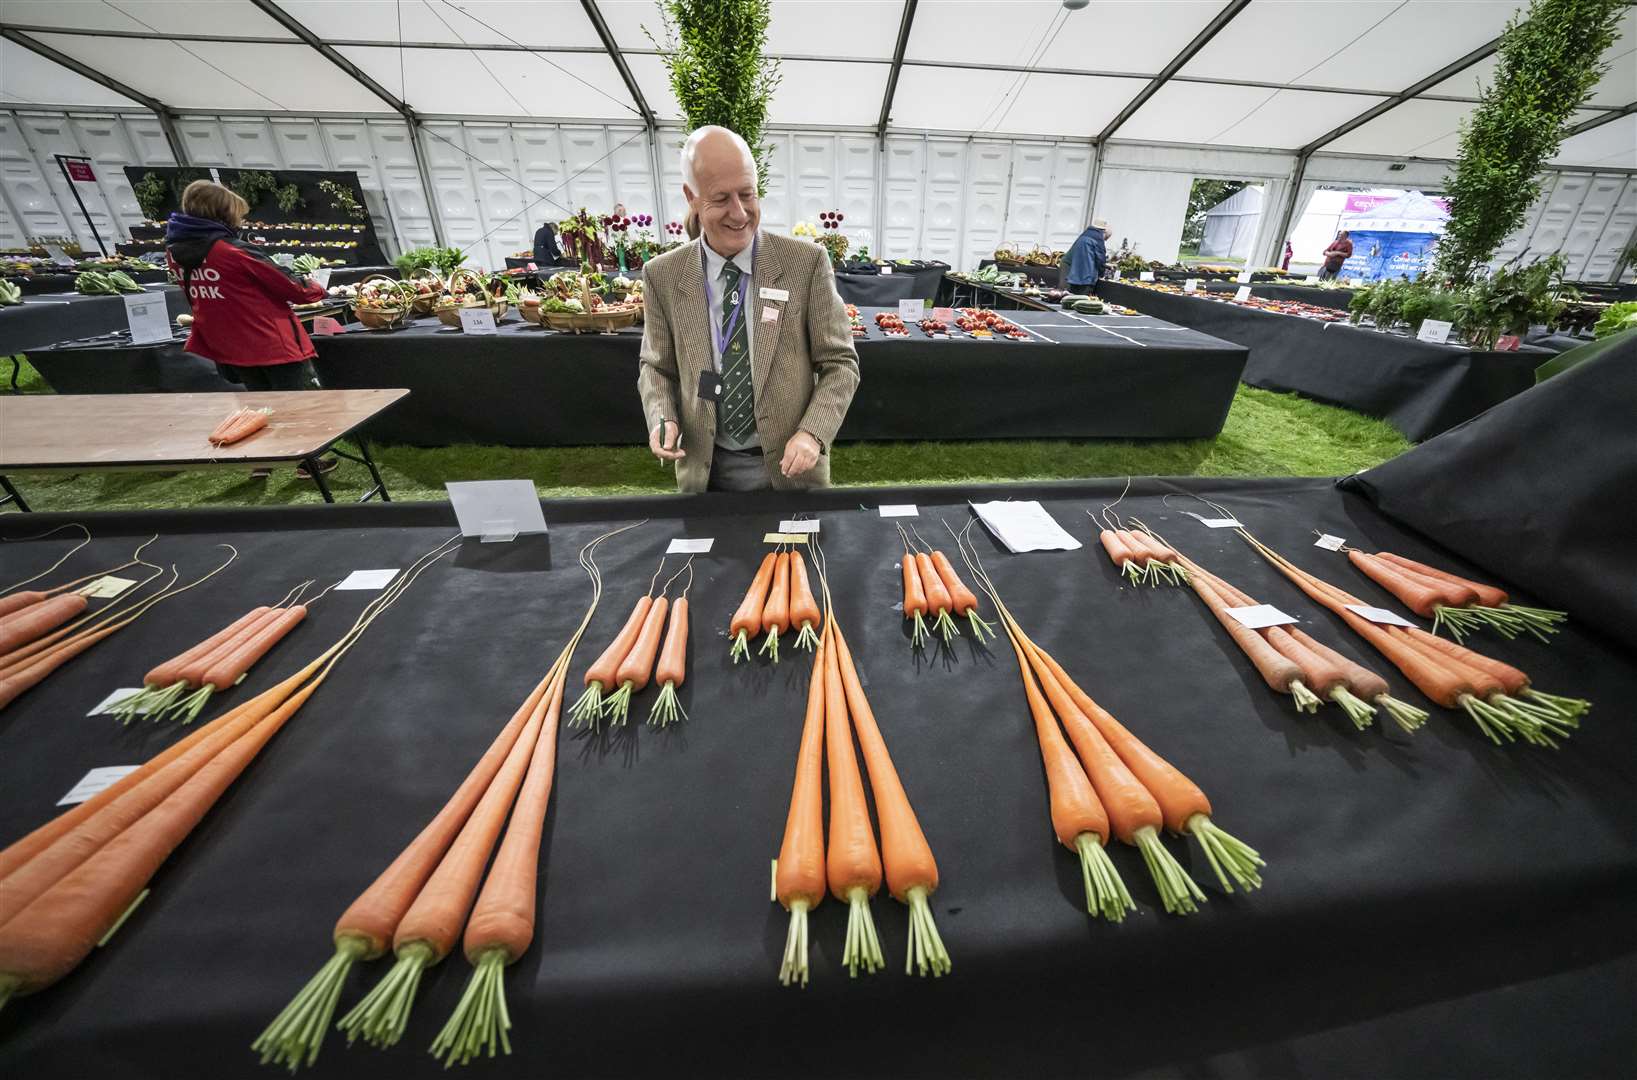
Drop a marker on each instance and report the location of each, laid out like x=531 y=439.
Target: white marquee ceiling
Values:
x=1278 y=74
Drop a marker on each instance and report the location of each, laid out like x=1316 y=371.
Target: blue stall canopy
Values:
x=1396 y=238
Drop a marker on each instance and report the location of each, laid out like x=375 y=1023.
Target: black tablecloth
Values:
x=46 y=320
x=38 y=284
x=878 y=290
x=1306 y=294
x=1419 y=388
x=526 y=387
x=115 y=366
x=1403 y=871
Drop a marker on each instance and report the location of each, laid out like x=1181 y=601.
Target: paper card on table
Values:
x=899 y=510
x=1355 y=282
x=886 y=269
x=912 y=310
x=1508 y=343
x=1329 y=543
x=944 y=314
x=1244 y=277
x=106 y=586
x=94 y=781
x=694 y=546
x=1146 y=275
x=1191 y=285
x=321 y=277
x=1242 y=293
x=1379 y=615
x=803 y=526
x=1311 y=279
x=1256 y=616
x=1114 y=275
x=477 y=320
x=1434 y=330
x=1024 y=526
x=785 y=538
x=324 y=326
x=479 y=504
x=115 y=698
x=366 y=580
x=56 y=254
x=145 y=314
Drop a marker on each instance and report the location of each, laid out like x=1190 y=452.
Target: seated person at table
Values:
x=1087 y=256
x=735 y=301
x=240 y=298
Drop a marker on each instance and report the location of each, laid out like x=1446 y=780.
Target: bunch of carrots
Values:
x=628 y=664
x=1112 y=785
x=238 y=425
x=1291 y=662
x=37 y=638
x=933 y=588
x=66 y=887
x=1138 y=553
x=420 y=903
x=780 y=598
x=851 y=868
x=1452 y=601
x=1497 y=696
x=182 y=686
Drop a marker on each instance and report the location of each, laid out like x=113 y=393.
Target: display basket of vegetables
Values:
x=384 y=303
x=428 y=288
x=587 y=312
x=528 y=306
x=467 y=290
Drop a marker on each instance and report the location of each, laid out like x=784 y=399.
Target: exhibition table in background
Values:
x=1075 y=378
x=1418 y=887
x=37 y=283
x=47 y=319
x=1418 y=387
x=885 y=290
x=1306 y=294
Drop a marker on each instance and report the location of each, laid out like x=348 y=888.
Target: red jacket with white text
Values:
x=241 y=304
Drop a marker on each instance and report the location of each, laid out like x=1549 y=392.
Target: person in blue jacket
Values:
x=1087 y=257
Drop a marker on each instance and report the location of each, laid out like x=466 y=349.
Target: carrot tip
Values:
x=296 y=1034
x=1406 y=715
x=1106 y=894
x=1227 y=853
x=926 y=949
x=1178 y=892
x=481 y=1020
x=667 y=708
x=1357 y=709
x=384 y=1013
x=863 y=947
x=589 y=709
x=793 y=969
x=979 y=626
x=741 y=647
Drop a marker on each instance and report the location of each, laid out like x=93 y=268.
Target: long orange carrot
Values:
x=673 y=667
x=915 y=604
x=747 y=620
x=799 y=871
x=20 y=600
x=852 y=860
x=33 y=622
x=912 y=873
x=599 y=677
x=939 y=602
x=965 y=601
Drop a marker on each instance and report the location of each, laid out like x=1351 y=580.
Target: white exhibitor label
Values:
x=799 y=526
x=1311 y=279
x=1244 y=277
x=1243 y=293
x=1434 y=330
x=94 y=781
x=479 y=320
x=1379 y=615
x=1146 y=275
x=1257 y=616
x=1191 y=285
x=1329 y=543
x=695 y=546
x=147 y=318
x=321 y=277
x=886 y=269
x=912 y=310
x=900 y=510
x=1221 y=523
x=366 y=580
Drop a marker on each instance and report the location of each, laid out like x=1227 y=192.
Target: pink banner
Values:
x=1359 y=203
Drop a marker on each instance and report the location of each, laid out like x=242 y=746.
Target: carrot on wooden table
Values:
x=804 y=609
x=672 y=668
x=56 y=929
x=965 y=601
x=852 y=860
x=747 y=620
x=799 y=871
x=776 y=611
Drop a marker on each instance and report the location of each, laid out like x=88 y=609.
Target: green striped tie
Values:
x=736 y=413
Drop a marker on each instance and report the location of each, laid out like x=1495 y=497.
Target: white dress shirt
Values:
x=717 y=297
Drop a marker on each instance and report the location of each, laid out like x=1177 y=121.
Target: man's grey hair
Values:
x=690 y=147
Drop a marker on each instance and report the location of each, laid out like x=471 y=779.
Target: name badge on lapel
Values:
x=710 y=386
x=773 y=294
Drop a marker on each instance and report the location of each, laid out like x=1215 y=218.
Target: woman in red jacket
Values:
x=240 y=298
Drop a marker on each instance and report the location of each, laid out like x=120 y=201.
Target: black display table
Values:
x=1452 y=907
x=1131 y=378
x=877 y=289
x=1306 y=294
x=48 y=319
x=1419 y=388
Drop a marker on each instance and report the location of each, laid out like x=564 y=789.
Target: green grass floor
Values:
x=1267 y=434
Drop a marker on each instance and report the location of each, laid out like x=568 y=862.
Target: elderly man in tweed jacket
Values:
x=748 y=363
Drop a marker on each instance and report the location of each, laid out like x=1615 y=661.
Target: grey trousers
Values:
x=738 y=470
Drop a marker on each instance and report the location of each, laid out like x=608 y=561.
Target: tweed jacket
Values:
x=804 y=368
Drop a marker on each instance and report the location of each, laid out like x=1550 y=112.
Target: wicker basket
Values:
x=384 y=318
x=605 y=320
x=532 y=312
x=449 y=314
x=425 y=304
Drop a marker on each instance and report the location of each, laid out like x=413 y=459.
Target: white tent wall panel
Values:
x=1068 y=216
x=903 y=196
x=1617 y=234
x=453 y=188
x=983 y=215
x=1145 y=207
x=203 y=141
x=250 y=144
x=106 y=142
x=53 y=135
x=500 y=200
x=1515 y=244
x=382 y=153
x=34 y=203
x=1028 y=194
x=1592 y=218
x=299 y=145
x=945 y=202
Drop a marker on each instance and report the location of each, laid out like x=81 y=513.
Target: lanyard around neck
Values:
x=722 y=334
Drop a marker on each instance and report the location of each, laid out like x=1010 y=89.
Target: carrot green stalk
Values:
x=799 y=871
x=804 y=610
x=747 y=620
x=776 y=612
x=367 y=927
x=852 y=861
